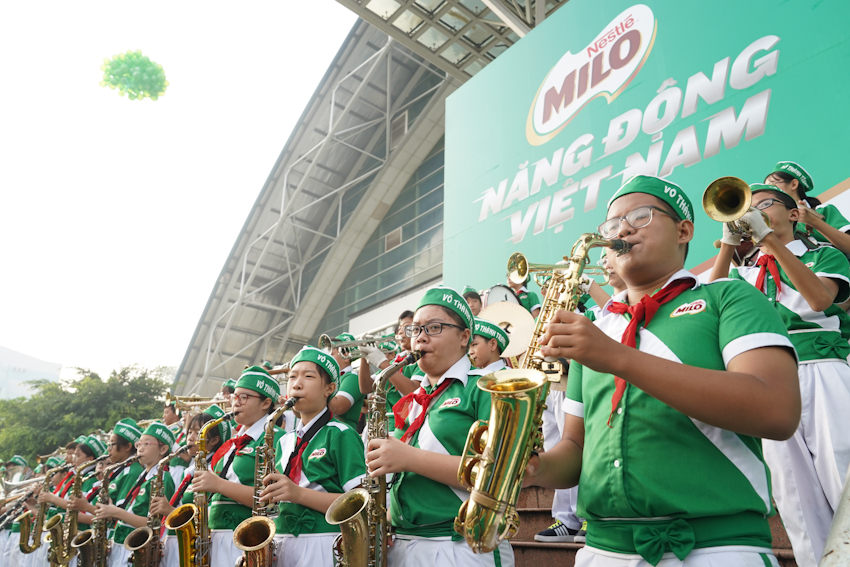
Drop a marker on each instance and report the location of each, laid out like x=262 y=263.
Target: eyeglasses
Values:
x=140 y=444
x=767 y=203
x=637 y=218
x=430 y=329
x=243 y=398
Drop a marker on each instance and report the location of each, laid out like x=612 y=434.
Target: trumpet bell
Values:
x=727 y=199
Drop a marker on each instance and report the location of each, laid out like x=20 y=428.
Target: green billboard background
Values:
x=776 y=76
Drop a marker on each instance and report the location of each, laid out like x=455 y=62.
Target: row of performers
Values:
x=679 y=395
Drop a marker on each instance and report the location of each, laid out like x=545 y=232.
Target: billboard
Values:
x=538 y=141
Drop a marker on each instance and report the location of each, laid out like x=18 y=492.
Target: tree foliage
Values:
x=60 y=411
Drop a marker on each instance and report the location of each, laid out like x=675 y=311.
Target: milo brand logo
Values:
x=604 y=68
x=451 y=402
x=692 y=308
x=318 y=454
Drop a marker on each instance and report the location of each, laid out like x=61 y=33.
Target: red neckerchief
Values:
x=239 y=441
x=61 y=484
x=644 y=311
x=767 y=263
x=93 y=492
x=401 y=410
x=294 y=464
x=178 y=494
x=67 y=486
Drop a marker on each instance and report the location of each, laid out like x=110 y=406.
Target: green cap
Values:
x=468 y=289
x=490 y=330
x=321 y=358
x=389 y=346
x=97 y=446
x=19 y=460
x=786 y=199
x=256 y=378
x=161 y=433
x=229 y=383
x=267 y=365
x=54 y=462
x=796 y=171
x=225 y=427
x=450 y=299
x=80 y=439
x=668 y=192
x=127 y=429
x=344 y=337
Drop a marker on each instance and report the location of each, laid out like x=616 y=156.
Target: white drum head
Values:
x=499 y=293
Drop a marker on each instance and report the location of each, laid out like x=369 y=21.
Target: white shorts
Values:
x=306 y=550
x=409 y=551
x=725 y=556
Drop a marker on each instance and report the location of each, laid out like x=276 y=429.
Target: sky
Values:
x=116 y=216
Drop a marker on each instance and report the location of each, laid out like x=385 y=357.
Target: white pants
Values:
x=306 y=550
x=170 y=553
x=726 y=556
x=37 y=558
x=808 y=470
x=223 y=552
x=119 y=556
x=566 y=499
x=428 y=552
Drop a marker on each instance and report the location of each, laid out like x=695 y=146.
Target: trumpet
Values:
x=350 y=349
x=727 y=199
x=60 y=451
x=519 y=268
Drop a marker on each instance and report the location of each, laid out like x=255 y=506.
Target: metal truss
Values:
x=270 y=279
x=458 y=36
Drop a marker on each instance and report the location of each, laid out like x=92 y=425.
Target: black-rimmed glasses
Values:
x=429 y=328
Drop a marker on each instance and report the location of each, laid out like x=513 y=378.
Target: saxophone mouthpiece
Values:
x=621 y=246
x=412 y=356
x=290 y=402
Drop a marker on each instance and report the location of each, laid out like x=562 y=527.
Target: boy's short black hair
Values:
x=471 y=295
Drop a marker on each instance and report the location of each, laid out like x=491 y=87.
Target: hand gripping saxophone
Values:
x=361 y=513
x=497 y=451
x=93 y=545
x=255 y=536
x=144 y=542
x=62 y=535
x=190 y=521
x=34 y=531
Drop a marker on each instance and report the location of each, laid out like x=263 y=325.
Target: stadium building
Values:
x=348 y=229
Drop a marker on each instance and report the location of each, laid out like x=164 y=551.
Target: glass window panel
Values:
x=433 y=39
x=475 y=6
x=407 y=22
x=429 y=5
x=474 y=67
x=454 y=19
x=455 y=53
x=384 y=8
x=479 y=34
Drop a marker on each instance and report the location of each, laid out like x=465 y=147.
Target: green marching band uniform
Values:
x=349 y=388
x=331 y=462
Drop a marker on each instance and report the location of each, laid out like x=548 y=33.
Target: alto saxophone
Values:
x=34 y=531
x=144 y=542
x=255 y=536
x=361 y=513
x=497 y=451
x=93 y=545
x=190 y=521
x=62 y=535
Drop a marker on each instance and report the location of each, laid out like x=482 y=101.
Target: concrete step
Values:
x=535 y=509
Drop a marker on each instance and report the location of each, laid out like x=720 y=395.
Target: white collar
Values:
x=796 y=247
x=493 y=367
x=523 y=289
x=459 y=371
x=304 y=428
x=254 y=432
x=347 y=369
x=623 y=295
x=150 y=474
